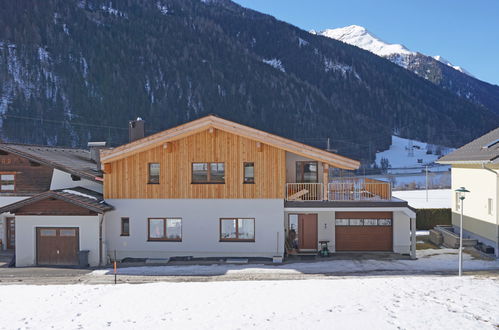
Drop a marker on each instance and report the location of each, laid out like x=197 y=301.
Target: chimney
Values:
x=95 y=148
x=136 y=129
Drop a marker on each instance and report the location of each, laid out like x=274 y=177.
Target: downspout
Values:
x=101 y=216
x=497 y=213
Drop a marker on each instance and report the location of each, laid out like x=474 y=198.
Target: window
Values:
x=489 y=206
x=125 y=226
x=208 y=173
x=249 y=172
x=154 y=173
x=165 y=229
x=7 y=182
x=306 y=172
x=363 y=222
x=237 y=229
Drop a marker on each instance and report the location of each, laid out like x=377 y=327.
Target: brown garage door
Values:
x=364 y=231
x=57 y=246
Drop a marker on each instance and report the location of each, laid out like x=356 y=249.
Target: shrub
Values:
x=429 y=218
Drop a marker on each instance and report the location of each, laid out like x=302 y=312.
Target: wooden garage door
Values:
x=57 y=246
x=364 y=231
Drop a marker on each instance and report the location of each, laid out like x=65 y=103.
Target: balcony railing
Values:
x=340 y=190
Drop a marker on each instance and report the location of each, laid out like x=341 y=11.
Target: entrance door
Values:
x=11 y=233
x=307 y=224
x=57 y=246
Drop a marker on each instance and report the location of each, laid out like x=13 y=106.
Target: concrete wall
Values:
x=200 y=227
x=6 y=200
x=401 y=233
x=482 y=184
x=326 y=228
x=26 y=235
x=291 y=160
x=61 y=180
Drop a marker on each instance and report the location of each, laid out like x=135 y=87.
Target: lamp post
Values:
x=461 y=192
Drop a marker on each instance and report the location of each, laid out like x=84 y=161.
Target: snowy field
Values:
x=437 y=198
x=428 y=260
x=417 y=302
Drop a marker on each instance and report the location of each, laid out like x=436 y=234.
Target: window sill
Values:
x=153 y=183
x=125 y=235
x=248 y=183
x=238 y=240
x=207 y=182
x=164 y=240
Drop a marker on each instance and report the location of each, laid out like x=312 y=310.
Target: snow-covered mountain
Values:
x=359 y=36
x=433 y=68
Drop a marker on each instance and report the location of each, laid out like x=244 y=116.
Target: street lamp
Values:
x=461 y=192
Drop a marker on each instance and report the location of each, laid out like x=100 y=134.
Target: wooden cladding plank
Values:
x=129 y=178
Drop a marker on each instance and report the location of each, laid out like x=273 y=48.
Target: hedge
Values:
x=428 y=218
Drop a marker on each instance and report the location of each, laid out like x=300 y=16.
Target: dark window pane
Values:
x=125 y=226
x=217 y=172
x=154 y=172
x=200 y=172
x=249 y=172
x=306 y=172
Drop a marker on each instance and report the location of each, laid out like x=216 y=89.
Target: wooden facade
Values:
x=128 y=177
x=30 y=177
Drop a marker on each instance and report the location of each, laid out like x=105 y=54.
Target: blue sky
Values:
x=465 y=32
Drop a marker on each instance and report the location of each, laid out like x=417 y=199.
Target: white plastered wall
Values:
x=482 y=184
x=26 y=235
x=200 y=227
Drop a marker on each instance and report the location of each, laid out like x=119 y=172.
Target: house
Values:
x=216 y=188
x=41 y=181
x=475 y=166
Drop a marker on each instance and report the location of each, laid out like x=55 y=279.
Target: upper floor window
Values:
x=153 y=173
x=306 y=172
x=7 y=182
x=208 y=173
x=249 y=172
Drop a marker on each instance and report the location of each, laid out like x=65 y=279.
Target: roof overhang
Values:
x=202 y=124
x=44 y=161
x=87 y=203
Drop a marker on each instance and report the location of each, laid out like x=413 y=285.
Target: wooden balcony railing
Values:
x=340 y=190
x=304 y=191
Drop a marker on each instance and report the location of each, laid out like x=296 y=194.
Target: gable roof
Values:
x=79 y=196
x=73 y=161
x=211 y=121
x=485 y=149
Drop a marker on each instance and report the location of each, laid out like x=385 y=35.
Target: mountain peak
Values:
x=359 y=36
x=455 y=67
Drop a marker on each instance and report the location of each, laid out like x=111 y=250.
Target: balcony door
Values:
x=307 y=172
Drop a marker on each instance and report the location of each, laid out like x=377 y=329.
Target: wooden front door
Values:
x=57 y=246
x=308 y=231
x=11 y=233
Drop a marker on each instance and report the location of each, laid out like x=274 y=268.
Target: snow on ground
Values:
x=428 y=260
x=423 y=302
x=437 y=198
x=405 y=153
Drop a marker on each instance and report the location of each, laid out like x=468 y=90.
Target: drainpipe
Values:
x=497 y=211
x=101 y=220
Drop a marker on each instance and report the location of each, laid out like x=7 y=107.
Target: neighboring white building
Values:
x=475 y=166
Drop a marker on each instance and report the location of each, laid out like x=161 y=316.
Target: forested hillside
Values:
x=73 y=71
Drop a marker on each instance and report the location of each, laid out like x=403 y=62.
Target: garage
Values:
x=364 y=231
x=57 y=246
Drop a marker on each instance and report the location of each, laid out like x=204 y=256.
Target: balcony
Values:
x=340 y=190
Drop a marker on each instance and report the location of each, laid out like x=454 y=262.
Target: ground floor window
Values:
x=125 y=227
x=237 y=229
x=165 y=229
